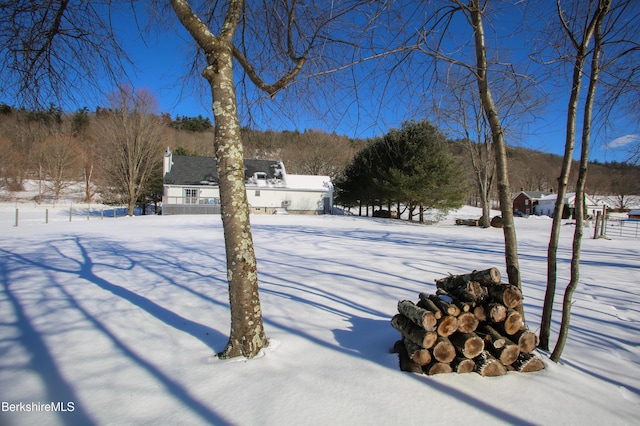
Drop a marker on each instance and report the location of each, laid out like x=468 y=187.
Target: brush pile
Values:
x=474 y=323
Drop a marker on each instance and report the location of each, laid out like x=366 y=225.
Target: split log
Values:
x=445 y=306
x=406 y=364
x=480 y=292
x=527 y=363
x=443 y=350
x=507 y=294
x=409 y=330
x=513 y=323
x=496 y=312
x=487 y=277
x=467 y=322
x=420 y=317
x=437 y=368
x=467 y=222
x=463 y=365
x=417 y=354
x=488 y=366
x=468 y=344
x=447 y=325
x=527 y=340
x=493 y=337
x=426 y=303
x=500 y=346
x=470 y=291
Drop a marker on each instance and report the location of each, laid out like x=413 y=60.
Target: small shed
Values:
x=634 y=214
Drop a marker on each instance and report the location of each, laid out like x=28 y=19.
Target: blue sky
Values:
x=160 y=63
x=161 y=59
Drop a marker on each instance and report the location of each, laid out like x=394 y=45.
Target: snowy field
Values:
x=116 y=321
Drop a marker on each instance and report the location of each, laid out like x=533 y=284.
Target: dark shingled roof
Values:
x=534 y=195
x=192 y=171
x=187 y=170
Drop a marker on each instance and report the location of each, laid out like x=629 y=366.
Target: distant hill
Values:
x=22 y=134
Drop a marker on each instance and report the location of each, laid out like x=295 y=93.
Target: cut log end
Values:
x=416 y=353
x=420 y=317
x=447 y=326
x=513 y=322
x=410 y=331
x=463 y=365
x=509 y=354
x=467 y=322
x=468 y=344
x=437 y=368
x=527 y=340
x=444 y=351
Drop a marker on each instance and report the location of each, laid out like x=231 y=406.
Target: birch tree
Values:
x=463 y=111
x=474 y=58
x=580 y=39
x=602 y=39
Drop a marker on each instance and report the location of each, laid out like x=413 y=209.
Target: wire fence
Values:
x=26 y=214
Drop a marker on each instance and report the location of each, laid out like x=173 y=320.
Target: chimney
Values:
x=168 y=161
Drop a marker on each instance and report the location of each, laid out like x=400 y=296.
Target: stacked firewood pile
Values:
x=473 y=323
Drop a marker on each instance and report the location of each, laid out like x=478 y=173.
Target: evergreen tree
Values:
x=411 y=167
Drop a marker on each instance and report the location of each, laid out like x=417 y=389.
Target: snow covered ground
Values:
x=117 y=321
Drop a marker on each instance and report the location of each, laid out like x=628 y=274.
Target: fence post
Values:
x=70 y=212
x=46 y=216
x=17 y=211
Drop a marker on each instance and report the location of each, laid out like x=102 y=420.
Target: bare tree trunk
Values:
x=247 y=335
x=497 y=134
x=88 y=171
x=484 y=169
x=247 y=332
x=582 y=180
x=578 y=66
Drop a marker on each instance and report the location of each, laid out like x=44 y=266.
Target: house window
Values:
x=191 y=196
x=257 y=193
x=526 y=202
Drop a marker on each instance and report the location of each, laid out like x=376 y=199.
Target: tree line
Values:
x=116 y=152
x=61 y=148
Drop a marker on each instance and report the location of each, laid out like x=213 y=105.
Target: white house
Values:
x=546 y=205
x=191 y=187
